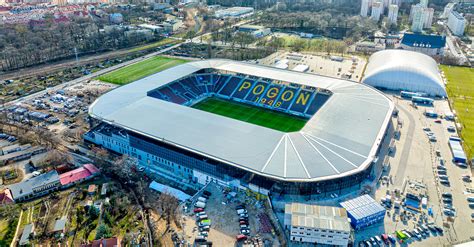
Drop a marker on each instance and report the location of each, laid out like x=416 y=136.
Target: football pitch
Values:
x=252 y=114
x=139 y=70
x=460 y=89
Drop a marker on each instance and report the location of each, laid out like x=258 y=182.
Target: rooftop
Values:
x=108 y=242
x=314 y=216
x=59 y=225
x=362 y=206
x=26 y=187
x=342 y=138
x=25 y=236
x=426 y=41
x=80 y=173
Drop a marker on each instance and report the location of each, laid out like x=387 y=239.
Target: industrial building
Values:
x=51 y=181
x=335 y=149
x=431 y=45
x=255 y=30
x=234 y=12
x=364 y=211
x=404 y=71
x=317 y=224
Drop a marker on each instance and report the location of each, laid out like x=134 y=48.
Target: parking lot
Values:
x=60 y=111
x=221 y=211
x=416 y=160
x=347 y=67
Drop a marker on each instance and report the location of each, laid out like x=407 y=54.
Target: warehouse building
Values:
x=364 y=211
x=432 y=45
x=401 y=70
x=317 y=224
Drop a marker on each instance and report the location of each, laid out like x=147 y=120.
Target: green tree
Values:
x=103 y=231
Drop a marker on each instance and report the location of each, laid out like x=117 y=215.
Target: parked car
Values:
x=445 y=182
x=379 y=240
x=448 y=212
x=447 y=200
x=240 y=207
x=447 y=195
x=204 y=228
x=241 y=237
x=197 y=210
x=244 y=216
x=245 y=231
x=241 y=211
x=451 y=128
x=437 y=121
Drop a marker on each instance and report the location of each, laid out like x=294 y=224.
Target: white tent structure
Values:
x=404 y=70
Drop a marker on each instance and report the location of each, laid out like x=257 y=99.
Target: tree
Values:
x=167 y=205
x=103 y=231
x=56 y=158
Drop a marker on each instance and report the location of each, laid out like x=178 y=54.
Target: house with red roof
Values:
x=78 y=175
x=6 y=197
x=109 y=242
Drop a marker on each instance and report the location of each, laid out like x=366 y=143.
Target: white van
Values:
x=202 y=199
x=241 y=211
x=200 y=204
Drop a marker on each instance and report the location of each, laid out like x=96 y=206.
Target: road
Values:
x=92 y=75
x=454 y=49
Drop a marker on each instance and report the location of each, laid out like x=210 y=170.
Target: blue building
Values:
x=364 y=211
x=432 y=45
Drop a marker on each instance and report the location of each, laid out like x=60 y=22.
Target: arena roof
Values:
x=342 y=138
x=404 y=70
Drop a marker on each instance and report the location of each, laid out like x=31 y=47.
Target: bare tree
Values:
x=56 y=158
x=167 y=206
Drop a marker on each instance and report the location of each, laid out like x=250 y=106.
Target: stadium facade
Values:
x=153 y=120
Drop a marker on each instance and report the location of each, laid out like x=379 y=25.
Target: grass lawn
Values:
x=252 y=114
x=7 y=230
x=460 y=89
x=139 y=70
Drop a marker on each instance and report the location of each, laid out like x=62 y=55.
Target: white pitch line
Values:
x=348 y=150
x=324 y=157
x=332 y=151
x=273 y=153
x=299 y=157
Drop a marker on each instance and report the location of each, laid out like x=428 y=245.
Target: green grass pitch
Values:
x=252 y=114
x=460 y=89
x=139 y=70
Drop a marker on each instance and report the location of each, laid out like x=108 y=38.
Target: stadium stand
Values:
x=250 y=90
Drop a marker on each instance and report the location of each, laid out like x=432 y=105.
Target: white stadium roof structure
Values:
x=341 y=139
x=404 y=70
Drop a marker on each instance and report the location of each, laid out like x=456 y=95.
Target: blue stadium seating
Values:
x=230 y=86
x=318 y=101
x=257 y=91
x=285 y=98
x=243 y=89
x=302 y=101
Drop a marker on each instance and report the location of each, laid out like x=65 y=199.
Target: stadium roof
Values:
x=342 y=138
x=404 y=70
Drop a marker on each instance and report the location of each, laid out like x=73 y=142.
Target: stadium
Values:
x=247 y=126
